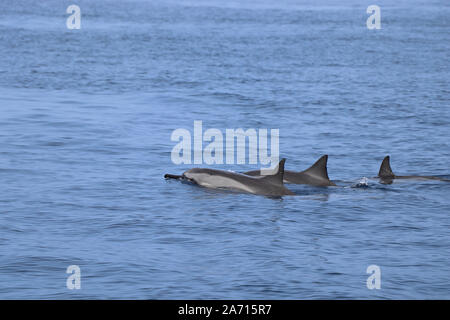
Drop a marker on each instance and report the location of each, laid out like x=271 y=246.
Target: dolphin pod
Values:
x=272 y=183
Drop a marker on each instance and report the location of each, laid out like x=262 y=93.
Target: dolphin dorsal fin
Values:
x=319 y=168
x=385 y=169
x=277 y=177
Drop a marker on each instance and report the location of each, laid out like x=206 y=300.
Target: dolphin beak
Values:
x=172 y=176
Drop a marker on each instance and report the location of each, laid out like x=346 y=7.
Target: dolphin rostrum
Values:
x=387 y=176
x=268 y=185
x=316 y=175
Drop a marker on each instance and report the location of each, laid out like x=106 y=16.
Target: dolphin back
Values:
x=277 y=177
x=385 y=169
x=316 y=175
x=319 y=168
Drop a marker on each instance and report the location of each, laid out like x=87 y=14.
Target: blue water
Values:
x=85 y=125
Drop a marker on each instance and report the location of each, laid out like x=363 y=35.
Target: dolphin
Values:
x=387 y=176
x=268 y=185
x=316 y=175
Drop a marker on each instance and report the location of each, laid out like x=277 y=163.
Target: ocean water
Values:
x=86 y=118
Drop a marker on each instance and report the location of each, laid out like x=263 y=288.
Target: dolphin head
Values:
x=196 y=174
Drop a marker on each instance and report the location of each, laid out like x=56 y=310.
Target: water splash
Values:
x=362 y=183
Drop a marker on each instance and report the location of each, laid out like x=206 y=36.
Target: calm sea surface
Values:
x=86 y=118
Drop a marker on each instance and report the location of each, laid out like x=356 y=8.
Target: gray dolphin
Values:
x=387 y=176
x=268 y=185
x=316 y=175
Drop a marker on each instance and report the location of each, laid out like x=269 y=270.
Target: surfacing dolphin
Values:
x=316 y=175
x=387 y=176
x=268 y=185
